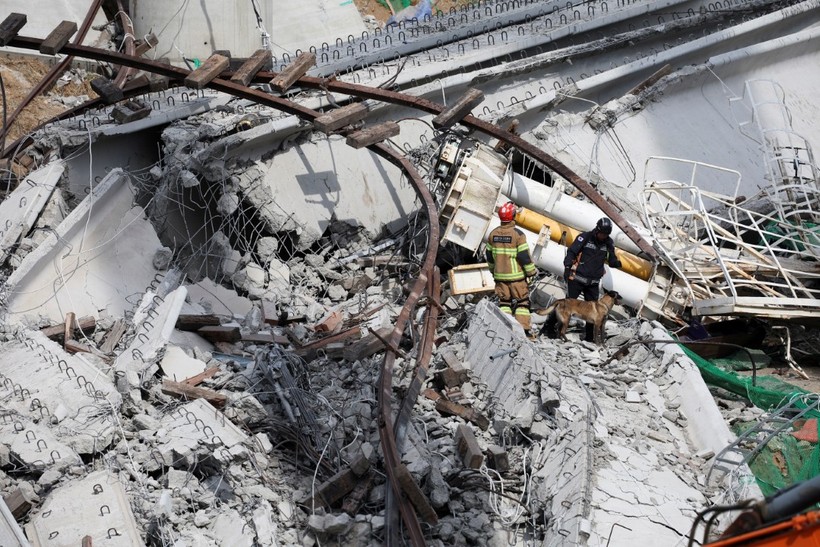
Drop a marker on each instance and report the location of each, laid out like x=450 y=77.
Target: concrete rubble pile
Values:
x=197 y=298
x=196 y=361
x=189 y=412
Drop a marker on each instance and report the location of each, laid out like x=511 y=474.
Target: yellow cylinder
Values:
x=565 y=235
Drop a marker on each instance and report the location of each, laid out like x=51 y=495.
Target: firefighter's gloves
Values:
x=618 y=264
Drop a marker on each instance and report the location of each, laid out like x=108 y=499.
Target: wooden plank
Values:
x=293 y=71
x=372 y=135
x=330 y=322
x=333 y=489
x=311 y=348
x=416 y=496
x=498 y=458
x=260 y=59
x=353 y=503
x=68 y=327
x=201 y=377
x=220 y=334
x=107 y=90
x=449 y=408
x=72 y=346
x=85 y=324
x=341 y=117
x=19 y=502
x=468 y=448
x=130 y=111
x=112 y=338
x=266 y=338
x=59 y=37
x=10 y=26
x=459 y=109
x=150 y=42
x=194 y=322
x=367 y=346
x=185 y=391
x=209 y=70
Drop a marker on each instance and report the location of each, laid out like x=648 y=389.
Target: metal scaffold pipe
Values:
x=562 y=207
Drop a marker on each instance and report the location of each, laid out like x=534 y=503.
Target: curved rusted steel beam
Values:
x=487 y=128
x=383 y=95
x=387 y=433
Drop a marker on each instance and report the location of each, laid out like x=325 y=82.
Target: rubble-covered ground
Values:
x=244 y=412
x=231 y=295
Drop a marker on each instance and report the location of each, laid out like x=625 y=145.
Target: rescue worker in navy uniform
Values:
x=584 y=267
x=508 y=256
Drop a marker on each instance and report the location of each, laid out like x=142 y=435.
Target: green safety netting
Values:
x=786 y=459
x=397 y=5
x=774 y=230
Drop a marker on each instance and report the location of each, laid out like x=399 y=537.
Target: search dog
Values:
x=595 y=312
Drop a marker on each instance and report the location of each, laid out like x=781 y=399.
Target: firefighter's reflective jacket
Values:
x=508 y=253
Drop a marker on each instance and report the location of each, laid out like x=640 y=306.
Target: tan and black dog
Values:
x=595 y=312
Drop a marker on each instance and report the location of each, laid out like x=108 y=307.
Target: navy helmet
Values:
x=604 y=225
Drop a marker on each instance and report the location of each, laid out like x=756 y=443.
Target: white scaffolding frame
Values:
x=730 y=259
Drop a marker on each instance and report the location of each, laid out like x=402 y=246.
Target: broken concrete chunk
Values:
x=178 y=366
x=267 y=247
x=468 y=448
x=633 y=396
x=162 y=258
x=87 y=518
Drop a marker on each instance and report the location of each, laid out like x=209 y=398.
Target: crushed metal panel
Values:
x=98 y=508
x=727 y=255
x=471 y=278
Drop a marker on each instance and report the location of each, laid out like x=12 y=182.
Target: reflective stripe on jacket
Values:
x=508 y=253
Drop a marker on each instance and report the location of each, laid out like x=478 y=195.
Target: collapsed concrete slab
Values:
x=57 y=405
x=11 y=535
x=20 y=209
x=99 y=508
x=196 y=430
x=521 y=381
x=217 y=299
x=321 y=181
x=94 y=260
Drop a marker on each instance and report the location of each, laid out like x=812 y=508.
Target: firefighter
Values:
x=584 y=267
x=508 y=256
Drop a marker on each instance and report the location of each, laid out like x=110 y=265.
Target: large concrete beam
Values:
x=97 y=258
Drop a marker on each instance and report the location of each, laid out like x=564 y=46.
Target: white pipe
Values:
x=551 y=258
x=565 y=209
